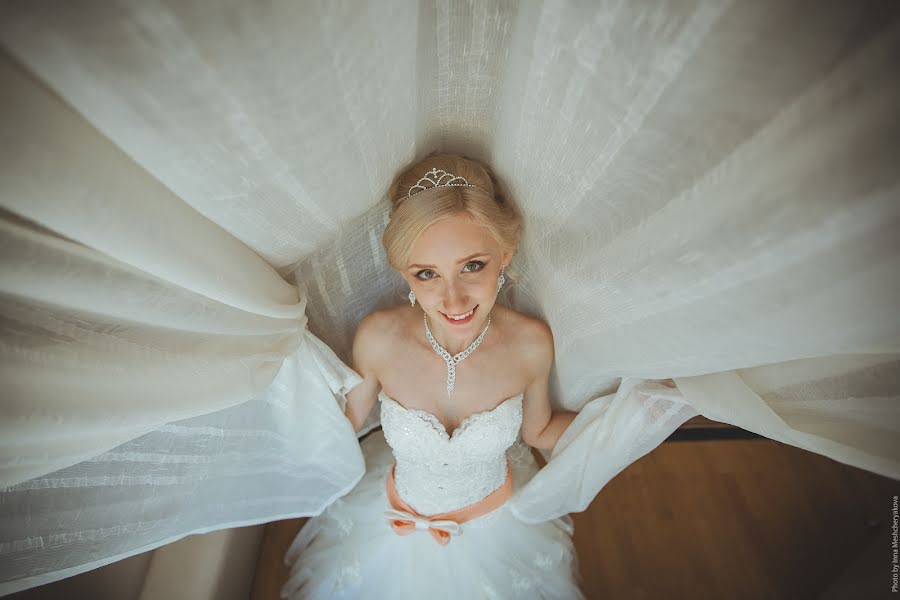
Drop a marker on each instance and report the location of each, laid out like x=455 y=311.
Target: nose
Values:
x=454 y=299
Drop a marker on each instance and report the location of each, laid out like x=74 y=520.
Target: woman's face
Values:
x=453 y=269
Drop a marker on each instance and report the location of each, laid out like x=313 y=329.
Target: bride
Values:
x=462 y=384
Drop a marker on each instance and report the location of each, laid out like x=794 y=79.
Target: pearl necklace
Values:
x=452 y=361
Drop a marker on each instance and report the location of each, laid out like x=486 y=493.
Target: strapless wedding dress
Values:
x=351 y=551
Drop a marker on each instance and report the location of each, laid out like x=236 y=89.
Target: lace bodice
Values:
x=437 y=472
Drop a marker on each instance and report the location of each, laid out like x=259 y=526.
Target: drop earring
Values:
x=500 y=280
x=412 y=297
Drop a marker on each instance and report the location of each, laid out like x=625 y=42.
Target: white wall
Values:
x=214 y=566
x=120 y=580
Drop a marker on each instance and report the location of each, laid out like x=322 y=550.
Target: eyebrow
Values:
x=466 y=259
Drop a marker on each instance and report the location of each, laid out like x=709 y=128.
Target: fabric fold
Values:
x=609 y=433
x=289 y=450
x=845 y=408
x=166 y=171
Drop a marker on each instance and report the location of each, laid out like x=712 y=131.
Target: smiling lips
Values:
x=461 y=319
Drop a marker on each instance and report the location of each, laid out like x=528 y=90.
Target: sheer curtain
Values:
x=710 y=192
x=131 y=324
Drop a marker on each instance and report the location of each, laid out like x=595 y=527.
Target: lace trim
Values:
x=436 y=423
x=438 y=472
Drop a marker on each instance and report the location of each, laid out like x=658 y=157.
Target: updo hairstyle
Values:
x=486 y=205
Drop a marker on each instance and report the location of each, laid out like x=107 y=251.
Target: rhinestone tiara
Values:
x=434 y=177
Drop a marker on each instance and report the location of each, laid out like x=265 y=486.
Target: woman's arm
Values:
x=559 y=422
x=541 y=427
x=367 y=348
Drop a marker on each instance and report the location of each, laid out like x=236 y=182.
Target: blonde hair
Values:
x=486 y=204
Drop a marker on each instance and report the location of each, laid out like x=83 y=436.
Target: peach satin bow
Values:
x=404 y=523
x=404 y=520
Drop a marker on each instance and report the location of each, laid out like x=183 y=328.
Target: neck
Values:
x=453 y=344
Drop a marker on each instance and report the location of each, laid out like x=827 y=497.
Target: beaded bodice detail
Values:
x=438 y=472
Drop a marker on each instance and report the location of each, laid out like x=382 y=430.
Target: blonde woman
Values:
x=461 y=384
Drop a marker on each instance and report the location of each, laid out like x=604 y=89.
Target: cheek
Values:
x=484 y=286
x=424 y=289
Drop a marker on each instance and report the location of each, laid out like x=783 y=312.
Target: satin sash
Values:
x=404 y=520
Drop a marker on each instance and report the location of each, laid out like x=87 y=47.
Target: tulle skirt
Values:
x=350 y=550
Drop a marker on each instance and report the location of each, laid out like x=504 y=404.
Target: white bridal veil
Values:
x=192 y=208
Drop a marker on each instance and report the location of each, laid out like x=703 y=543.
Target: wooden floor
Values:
x=751 y=519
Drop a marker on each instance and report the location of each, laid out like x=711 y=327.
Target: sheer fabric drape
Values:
x=710 y=192
x=152 y=363
x=123 y=307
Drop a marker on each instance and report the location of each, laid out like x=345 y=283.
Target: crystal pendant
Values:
x=452 y=361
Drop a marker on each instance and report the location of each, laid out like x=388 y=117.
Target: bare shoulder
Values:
x=533 y=329
x=377 y=321
x=533 y=337
x=371 y=340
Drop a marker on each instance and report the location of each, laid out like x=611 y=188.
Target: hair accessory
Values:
x=434 y=177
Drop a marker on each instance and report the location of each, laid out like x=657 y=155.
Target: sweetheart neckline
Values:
x=462 y=424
